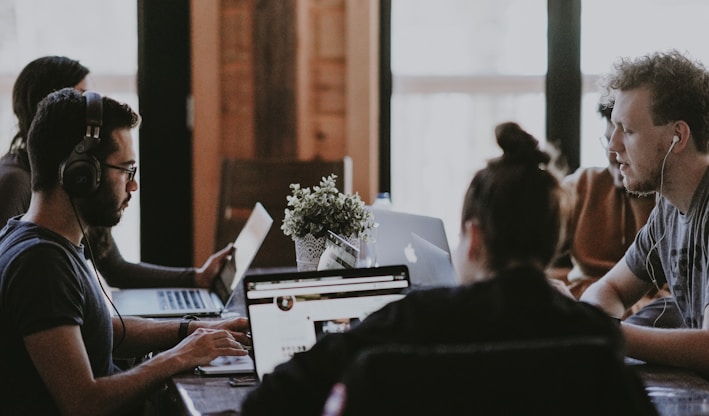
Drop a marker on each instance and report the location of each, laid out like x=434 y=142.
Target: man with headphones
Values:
x=59 y=334
x=661 y=136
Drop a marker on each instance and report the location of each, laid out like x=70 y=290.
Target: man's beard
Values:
x=649 y=185
x=101 y=208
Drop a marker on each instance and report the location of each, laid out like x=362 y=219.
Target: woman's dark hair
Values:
x=36 y=80
x=517 y=202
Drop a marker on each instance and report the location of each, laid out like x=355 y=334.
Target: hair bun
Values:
x=519 y=146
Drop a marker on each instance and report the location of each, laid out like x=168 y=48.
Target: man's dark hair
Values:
x=60 y=124
x=679 y=87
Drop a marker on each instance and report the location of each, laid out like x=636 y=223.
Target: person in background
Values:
x=59 y=336
x=660 y=136
x=604 y=220
x=36 y=80
x=511 y=224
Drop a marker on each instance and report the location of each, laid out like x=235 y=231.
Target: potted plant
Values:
x=311 y=213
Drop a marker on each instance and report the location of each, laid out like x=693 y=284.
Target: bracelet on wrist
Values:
x=183 y=330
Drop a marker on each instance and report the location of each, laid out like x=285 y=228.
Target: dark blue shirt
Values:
x=45 y=282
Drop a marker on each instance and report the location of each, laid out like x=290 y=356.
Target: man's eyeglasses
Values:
x=130 y=171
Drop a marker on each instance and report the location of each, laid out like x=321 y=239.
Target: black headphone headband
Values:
x=94 y=114
x=80 y=173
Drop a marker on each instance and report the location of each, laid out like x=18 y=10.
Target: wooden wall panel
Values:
x=323 y=81
x=330 y=137
x=328 y=88
x=237 y=75
x=286 y=79
x=274 y=49
x=206 y=50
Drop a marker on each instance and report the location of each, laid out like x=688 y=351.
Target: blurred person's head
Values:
x=512 y=212
x=36 y=80
x=605 y=108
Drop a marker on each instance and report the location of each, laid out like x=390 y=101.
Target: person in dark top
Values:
x=59 y=337
x=37 y=79
x=510 y=232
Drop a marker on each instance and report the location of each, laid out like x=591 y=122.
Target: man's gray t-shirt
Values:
x=673 y=248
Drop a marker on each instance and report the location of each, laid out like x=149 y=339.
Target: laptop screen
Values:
x=289 y=312
x=246 y=245
x=419 y=242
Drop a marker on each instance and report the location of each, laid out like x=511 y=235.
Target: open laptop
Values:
x=289 y=312
x=417 y=241
x=174 y=302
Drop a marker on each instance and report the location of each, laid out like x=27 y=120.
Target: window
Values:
x=102 y=35
x=611 y=28
x=459 y=68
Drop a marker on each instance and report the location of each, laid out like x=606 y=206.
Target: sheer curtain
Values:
x=459 y=68
x=629 y=28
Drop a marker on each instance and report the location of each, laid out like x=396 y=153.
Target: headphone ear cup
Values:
x=80 y=173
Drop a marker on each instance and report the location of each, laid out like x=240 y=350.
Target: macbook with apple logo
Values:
x=417 y=241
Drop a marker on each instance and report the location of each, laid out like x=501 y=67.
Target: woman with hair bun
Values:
x=510 y=229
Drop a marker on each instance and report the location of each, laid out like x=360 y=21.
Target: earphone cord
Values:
x=93 y=264
x=648 y=264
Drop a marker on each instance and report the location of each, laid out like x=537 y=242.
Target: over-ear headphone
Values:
x=80 y=173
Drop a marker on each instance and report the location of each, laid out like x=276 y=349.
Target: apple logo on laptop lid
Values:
x=410 y=253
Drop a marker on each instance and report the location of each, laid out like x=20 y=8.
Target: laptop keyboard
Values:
x=177 y=300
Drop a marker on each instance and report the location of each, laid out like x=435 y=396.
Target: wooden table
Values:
x=673 y=391
x=193 y=394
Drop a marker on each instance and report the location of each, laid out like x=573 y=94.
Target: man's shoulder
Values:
x=588 y=182
x=18 y=237
x=591 y=174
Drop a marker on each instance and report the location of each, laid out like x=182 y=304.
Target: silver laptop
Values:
x=417 y=241
x=173 y=302
x=289 y=312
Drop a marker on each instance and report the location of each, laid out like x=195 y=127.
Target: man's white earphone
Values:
x=675 y=140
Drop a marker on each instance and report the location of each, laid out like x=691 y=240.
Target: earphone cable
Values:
x=93 y=264
x=655 y=244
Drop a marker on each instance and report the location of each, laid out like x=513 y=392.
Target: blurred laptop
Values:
x=175 y=302
x=288 y=312
x=417 y=241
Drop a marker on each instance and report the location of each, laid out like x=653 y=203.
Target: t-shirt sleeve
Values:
x=44 y=276
x=637 y=258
